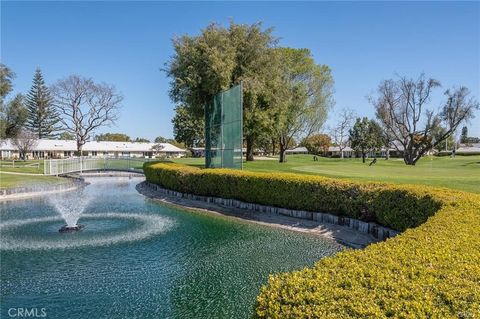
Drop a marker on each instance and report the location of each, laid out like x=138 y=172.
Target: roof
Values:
x=300 y=149
x=468 y=149
x=202 y=149
x=337 y=149
x=66 y=145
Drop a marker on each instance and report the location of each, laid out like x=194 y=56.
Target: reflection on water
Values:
x=138 y=258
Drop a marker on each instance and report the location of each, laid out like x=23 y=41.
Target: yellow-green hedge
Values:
x=398 y=207
x=431 y=271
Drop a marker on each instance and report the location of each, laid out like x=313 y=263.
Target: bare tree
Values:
x=84 y=106
x=25 y=141
x=401 y=106
x=341 y=131
x=158 y=147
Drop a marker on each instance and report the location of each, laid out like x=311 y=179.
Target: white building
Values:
x=65 y=148
x=468 y=149
x=297 y=150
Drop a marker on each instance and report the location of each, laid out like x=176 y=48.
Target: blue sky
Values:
x=126 y=44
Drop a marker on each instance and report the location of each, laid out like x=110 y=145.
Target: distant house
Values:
x=334 y=151
x=394 y=151
x=64 y=148
x=297 y=150
x=200 y=151
x=468 y=149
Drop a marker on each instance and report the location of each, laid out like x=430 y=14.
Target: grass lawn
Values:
x=36 y=167
x=462 y=172
x=10 y=180
x=29 y=166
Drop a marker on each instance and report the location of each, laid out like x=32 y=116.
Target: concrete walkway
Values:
x=341 y=234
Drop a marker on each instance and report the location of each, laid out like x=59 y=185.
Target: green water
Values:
x=140 y=259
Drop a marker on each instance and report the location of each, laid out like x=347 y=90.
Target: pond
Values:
x=137 y=258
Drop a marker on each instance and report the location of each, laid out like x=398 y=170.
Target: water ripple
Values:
x=146 y=227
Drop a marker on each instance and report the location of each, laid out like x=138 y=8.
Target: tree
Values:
x=66 y=136
x=473 y=140
x=113 y=137
x=268 y=143
x=159 y=145
x=447 y=144
x=13 y=112
x=160 y=139
x=85 y=106
x=387 y=142
x=340 y=132
x=25 y=141
x=303 y=96
x=6 y=79
x=317 y=143
x=401 y=107
x=188 y=128
x=176 y=143
x=141 y=140
x=13 y=117
x=218 y=59
x=464 y=135
x=42 y=117
x=366 y=136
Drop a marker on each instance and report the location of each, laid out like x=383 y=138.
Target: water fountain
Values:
x=70 y=206
x=91 y=212
x=71 y=229
x=160 y=261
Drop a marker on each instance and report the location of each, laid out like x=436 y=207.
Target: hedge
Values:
x=431 y=270
x=398 y=207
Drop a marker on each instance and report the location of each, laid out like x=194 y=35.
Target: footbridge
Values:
x=83 y=164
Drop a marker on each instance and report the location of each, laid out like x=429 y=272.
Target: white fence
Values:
x=81 y=164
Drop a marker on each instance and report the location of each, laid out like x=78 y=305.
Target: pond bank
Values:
x=72 y=182
x=342 y=234
x=23 y=192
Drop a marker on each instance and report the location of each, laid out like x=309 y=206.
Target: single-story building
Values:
x=200 y=151
x=468 y=149
x=334 y=151
x=297 y=150
x=66 y=148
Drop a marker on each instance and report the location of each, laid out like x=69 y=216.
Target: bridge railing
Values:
x=81 y=164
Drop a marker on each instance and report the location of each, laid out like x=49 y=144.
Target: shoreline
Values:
x=341 y=234
x=16 y=193
x=75 y=181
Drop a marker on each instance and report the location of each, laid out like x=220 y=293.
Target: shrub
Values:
x=398 y=207
x=431 y=271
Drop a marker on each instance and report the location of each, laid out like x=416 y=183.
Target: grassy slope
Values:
x=26 y=167
x=36 y=167
x=8 y=180
x=462 y=172
x=30 y=166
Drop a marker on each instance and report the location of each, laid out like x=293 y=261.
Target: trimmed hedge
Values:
x=431 y=271
x=397 y=207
